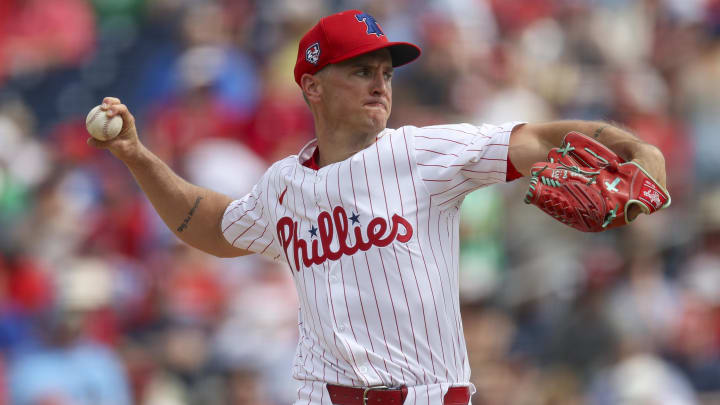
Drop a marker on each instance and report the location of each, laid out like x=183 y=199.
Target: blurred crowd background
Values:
x=100 y=304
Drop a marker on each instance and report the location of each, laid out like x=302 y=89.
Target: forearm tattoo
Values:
x=599 y=130
x=185 y=223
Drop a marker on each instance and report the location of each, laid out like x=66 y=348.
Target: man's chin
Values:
x=379 y=119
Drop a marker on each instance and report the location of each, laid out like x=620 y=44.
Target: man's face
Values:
x=357 y=93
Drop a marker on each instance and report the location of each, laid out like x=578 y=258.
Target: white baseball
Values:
x=102 y=127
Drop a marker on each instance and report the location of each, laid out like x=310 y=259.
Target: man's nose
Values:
x=379 y=84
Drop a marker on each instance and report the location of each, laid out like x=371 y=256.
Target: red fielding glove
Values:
x=587 y=186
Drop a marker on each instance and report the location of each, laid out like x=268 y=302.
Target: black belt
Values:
x=342 y=395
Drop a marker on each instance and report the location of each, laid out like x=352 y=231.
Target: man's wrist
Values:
x=134 y=155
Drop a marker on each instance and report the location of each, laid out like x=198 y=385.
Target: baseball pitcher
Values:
x=366 y=217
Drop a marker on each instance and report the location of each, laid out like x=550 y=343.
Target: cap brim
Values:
x=401 y=53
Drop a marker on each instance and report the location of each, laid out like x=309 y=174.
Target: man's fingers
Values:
x=115 y=109
x=113 y=106
x=121 y=110
x=108 y=101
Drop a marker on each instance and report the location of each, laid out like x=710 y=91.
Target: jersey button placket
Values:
x=317 y=181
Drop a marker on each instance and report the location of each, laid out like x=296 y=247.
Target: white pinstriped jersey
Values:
x=372 y=245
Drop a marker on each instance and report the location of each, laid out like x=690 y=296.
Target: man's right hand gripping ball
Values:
x=587 y=186
x=127 y=144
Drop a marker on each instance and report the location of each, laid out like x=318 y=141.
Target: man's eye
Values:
x=388 y=76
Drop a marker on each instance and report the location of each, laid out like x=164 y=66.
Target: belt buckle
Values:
x=368 y=389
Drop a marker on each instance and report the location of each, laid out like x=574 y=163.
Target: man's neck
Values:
x=336 y=147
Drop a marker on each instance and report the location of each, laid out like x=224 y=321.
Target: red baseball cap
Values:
x=343 y=36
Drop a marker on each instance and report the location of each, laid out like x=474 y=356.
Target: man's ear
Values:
x=311 y=86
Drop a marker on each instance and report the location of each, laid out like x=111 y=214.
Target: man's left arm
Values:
x=530 y=143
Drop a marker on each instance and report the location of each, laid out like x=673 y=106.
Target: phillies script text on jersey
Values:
x=287 y=231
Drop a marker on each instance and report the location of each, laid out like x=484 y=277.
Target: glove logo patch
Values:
x=611 y=186
x=651 y=196
x=654 y=197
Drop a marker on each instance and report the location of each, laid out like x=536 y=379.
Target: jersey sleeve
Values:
x=454 y=160
x=246 y=222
